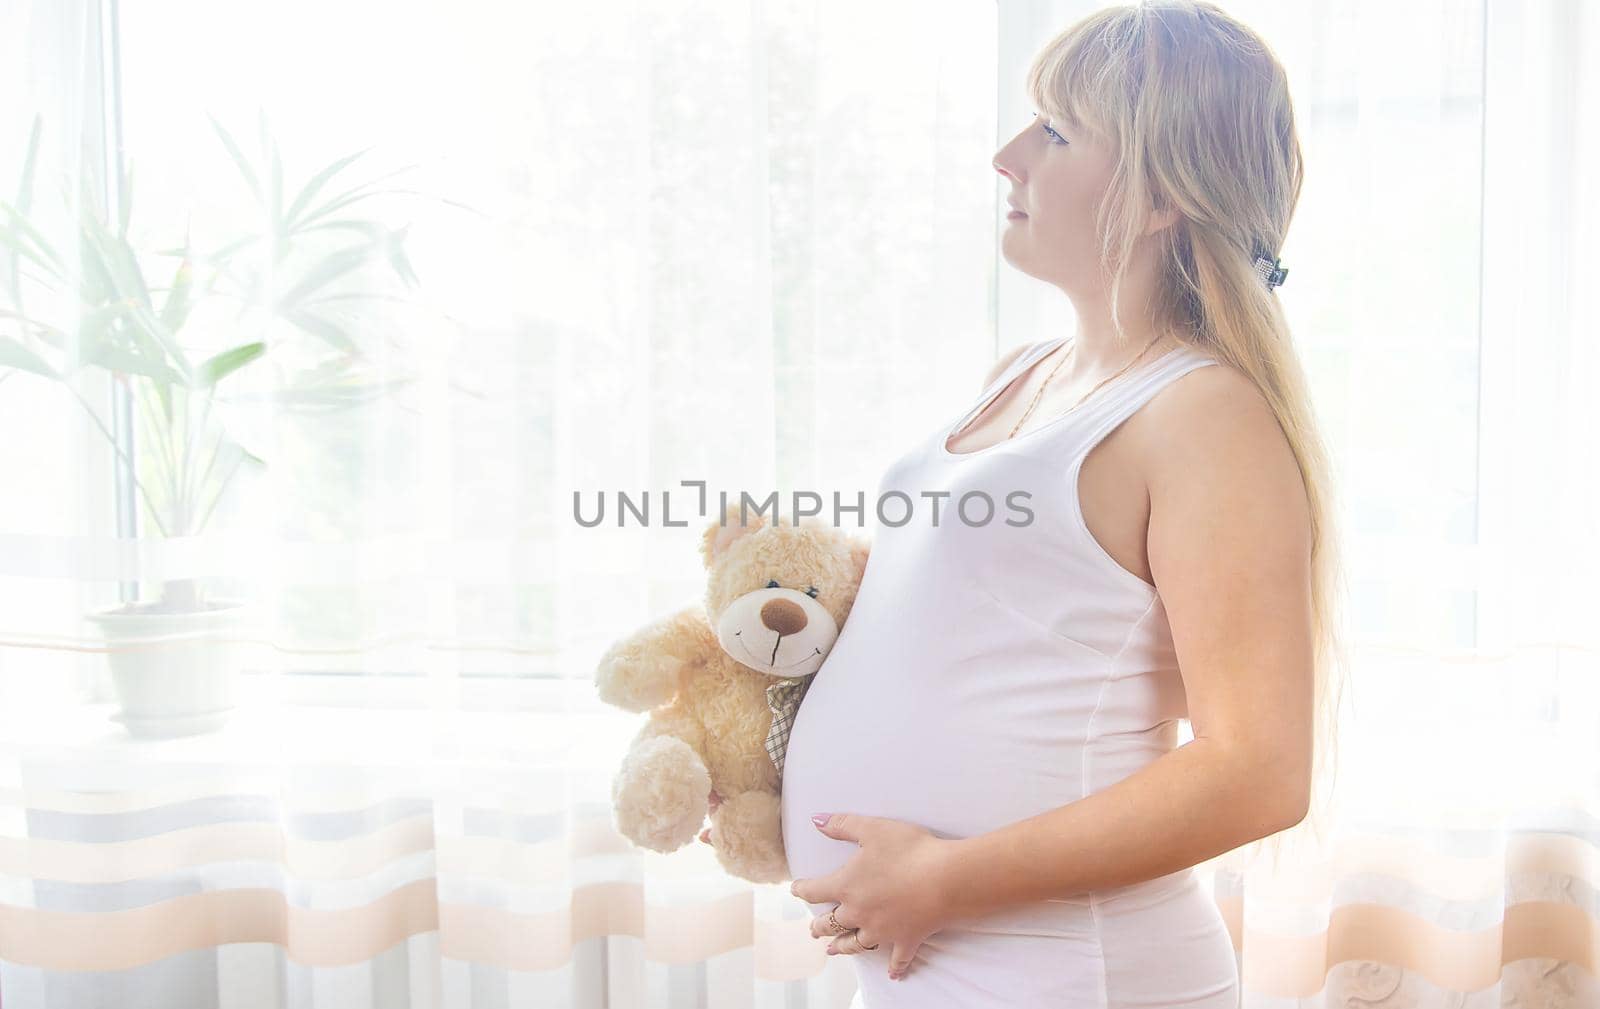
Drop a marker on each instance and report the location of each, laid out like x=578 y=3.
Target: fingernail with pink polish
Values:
x=821 y=819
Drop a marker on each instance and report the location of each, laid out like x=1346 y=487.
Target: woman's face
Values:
x=1058 y=176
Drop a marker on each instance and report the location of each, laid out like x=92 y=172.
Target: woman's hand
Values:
x=896 y=890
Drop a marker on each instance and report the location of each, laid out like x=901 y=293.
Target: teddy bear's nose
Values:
x=783 y=616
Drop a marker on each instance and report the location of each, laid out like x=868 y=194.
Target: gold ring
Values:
x=838 y=929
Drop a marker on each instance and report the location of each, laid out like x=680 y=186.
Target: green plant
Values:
x=289 y=269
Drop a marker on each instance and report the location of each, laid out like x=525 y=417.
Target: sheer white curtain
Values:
x=587 y=248
x=664 y=242
x=1440 y=292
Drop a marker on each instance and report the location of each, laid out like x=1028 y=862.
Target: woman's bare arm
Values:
x=1229 y=549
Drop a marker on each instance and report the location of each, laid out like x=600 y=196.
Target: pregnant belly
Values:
x=958 y=745
x=966 y=734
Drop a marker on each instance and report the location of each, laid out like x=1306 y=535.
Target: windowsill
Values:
x=82 y=747
x=332 y=723
x=468 y=693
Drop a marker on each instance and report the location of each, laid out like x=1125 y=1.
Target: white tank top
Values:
x=991 y=672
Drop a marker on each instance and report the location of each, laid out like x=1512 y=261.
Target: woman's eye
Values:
x=812 y=592
x=1046 y=127
x=772 y=584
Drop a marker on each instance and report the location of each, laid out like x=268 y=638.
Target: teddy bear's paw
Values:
x=748 y=833
x=635 y=679
x=659 y=794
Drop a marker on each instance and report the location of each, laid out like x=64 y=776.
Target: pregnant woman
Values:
x=1005 y=815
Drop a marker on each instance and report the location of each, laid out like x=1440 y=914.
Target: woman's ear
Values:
x=1161 y=219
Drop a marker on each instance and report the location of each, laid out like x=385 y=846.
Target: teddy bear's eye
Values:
x=772 y=584
x=812 y=592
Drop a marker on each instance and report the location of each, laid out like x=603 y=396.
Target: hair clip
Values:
x=1269 y=271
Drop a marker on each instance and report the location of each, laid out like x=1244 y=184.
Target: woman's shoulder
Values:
x=1212 y=418
x=1206 y=400
x=1007 y=359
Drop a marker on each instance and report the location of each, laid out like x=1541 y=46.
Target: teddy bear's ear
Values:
x=860 y=550
x=721 y=534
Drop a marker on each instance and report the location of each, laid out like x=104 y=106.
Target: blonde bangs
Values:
x=1078 y=78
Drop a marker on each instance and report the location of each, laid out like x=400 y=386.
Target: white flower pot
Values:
x=176 y=674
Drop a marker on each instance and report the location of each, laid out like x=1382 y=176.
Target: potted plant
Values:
x=173 y=659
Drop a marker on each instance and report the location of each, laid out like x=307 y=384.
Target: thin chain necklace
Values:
x=1046 y=383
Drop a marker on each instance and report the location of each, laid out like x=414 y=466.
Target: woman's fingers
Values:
x=851 y=942
x=822 y=925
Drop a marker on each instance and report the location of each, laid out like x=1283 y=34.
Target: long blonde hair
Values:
x=1197 y=109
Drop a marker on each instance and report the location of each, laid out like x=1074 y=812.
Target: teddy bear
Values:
x=722 y=679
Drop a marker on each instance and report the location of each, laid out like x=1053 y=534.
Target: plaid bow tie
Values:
x=783 y=699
